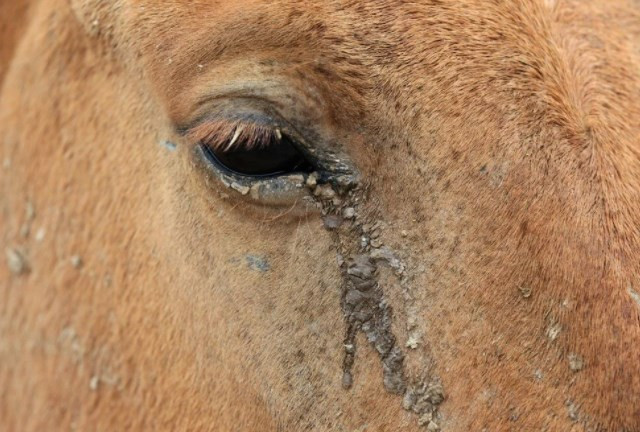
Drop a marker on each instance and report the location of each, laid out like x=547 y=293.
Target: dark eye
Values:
x=272 y=155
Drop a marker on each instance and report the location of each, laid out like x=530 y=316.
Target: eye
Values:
x=256 y=151
x=270 y=164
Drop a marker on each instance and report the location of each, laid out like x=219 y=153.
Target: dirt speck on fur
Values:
x=25 y=230
x=634 y=295
x=94 y=383
x=332 y=222
x=553 y=331
x=40 y=235
x=30 y=214
x=349 y=213
x=576 y=362
x=169 y=145
x=30 y=211
x=16 y=261
x=258 y=263
x=572 y=410
x=71 y=344
x=76 y=261
x=412 y=342
x=433 y=426
x=312 y=180
x=242 y=189
x=525 y=291
x=324 y=192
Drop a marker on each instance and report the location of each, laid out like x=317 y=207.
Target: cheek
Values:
x=300 y=308
x=263 y=302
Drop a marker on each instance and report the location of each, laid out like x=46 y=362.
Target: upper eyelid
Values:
x=185 y=129
x=224 y=132
x=233 y=107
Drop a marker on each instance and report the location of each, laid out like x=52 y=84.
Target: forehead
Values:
x=377 y=30
x=362 y=44
x=408 y=54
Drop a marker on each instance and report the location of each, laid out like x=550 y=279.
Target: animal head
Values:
x=372 y=215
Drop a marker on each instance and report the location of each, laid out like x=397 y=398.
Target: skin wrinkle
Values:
x=497 y=142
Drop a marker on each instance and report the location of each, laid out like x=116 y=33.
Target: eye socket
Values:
x=252 y=150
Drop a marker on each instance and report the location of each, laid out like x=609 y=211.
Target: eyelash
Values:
x=250 y=150
x=225 y=135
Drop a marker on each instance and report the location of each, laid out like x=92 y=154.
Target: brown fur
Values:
x=502 y=136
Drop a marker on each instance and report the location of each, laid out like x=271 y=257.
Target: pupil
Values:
x=278 y=156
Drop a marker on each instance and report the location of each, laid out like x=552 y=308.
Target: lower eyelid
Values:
x=276 y=191
x=279 y=189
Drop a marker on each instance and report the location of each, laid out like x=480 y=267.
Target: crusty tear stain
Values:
x=366 y=310
x=364 y=306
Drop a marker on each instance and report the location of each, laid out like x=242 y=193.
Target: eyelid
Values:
x=224 y=134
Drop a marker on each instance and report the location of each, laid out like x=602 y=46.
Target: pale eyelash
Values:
x=224 y=135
